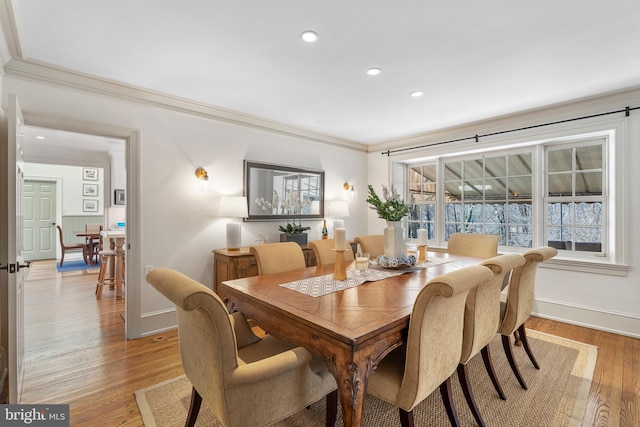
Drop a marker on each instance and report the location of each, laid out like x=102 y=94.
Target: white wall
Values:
x=601 y=301
x=179 y=228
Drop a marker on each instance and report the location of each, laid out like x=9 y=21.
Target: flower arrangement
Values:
x=393 y=208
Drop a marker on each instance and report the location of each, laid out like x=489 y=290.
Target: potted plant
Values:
x=294 y=233
x=392 y=209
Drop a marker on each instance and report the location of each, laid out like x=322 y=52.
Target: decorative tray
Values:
x=396 y=263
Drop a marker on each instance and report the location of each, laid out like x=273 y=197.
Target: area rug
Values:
x=557 y=394
x=75 y=264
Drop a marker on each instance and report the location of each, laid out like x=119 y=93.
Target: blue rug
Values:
x=75 y=264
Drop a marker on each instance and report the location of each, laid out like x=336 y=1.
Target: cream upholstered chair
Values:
x=372 y=244
x=408 y=374
x=324 y=252
x=246 y=381
x=481 y=320
x=476 y=245
x=517 y=309
x=278 y=257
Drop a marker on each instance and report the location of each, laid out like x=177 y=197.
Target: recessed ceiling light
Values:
x=374 y=71
x=309 y=36
x=417 y=94
x=39 y=137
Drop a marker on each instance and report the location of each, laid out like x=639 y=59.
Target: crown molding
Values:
x=58 y=76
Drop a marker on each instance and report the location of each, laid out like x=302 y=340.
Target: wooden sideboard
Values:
x=229 y=265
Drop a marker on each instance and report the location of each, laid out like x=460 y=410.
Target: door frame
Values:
x=133 y=274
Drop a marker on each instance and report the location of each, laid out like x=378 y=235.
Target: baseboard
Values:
x=158 y=321
x=617 y=323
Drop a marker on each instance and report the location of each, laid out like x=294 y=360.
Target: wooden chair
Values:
x=71 y=248
x=481 y=320
x=407 y=375
x=245 y=380
x=323 y=250
x=278 y=257
x=94 y=245
x=476 y=245
x=517 y=309
x=372 y=244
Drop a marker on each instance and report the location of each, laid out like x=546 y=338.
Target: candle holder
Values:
x=422 y=253
x=340 y=269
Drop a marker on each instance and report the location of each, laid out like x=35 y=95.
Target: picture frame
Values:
x=118 y=197
x=90 y=174
x=90 y=190
x=90 y=205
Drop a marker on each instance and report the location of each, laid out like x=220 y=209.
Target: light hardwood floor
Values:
x=76 y=354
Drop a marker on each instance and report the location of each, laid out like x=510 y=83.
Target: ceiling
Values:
x=473 y=61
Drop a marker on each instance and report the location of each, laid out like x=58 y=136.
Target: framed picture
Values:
x=90 y=174
x=90 y=190
x=89 y=205
x=118 y=197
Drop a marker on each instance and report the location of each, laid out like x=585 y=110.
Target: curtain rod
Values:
x=626 y=110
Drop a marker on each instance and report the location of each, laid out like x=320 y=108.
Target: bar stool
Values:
x=107 y=256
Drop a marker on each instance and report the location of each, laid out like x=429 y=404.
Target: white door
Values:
x=11 y=241
x=39 y=220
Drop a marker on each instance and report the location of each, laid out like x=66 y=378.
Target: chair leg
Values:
x=488 y=364
x=447 y=399
x=406 y=418
x=506 y=344
x=525 y=343
x=463 y=377
x=194 y=408
x=332 y=408
x=62 y=258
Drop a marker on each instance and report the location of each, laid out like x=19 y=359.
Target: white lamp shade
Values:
x=338 y=209
x=233 y=207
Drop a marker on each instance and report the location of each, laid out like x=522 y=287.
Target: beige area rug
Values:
x=557 y=393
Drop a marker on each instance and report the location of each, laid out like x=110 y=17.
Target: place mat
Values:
x=326 y=284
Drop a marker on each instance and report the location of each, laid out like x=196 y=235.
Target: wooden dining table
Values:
x=351 y=329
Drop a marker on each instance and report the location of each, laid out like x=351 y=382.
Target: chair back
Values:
x=278 y=257
x=520 y=295
x=324 y=252
x=482 y=308
x=62 y=244
x=475 y=245
x=373 y=244
x=206 y=335
x=434 y=341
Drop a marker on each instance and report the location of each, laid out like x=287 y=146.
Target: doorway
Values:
x=40 y=200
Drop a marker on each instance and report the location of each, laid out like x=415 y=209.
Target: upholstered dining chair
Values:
x=73 y=247
x=481 y=320
x=408 y=374
x=373 y=244
x=245 y=380
x=476 y=245
x=324 y=252
x=517 y=308
x=278 y=257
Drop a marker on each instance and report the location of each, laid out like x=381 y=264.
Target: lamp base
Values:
x=234 y=240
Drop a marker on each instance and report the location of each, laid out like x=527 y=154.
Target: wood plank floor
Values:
x=76 y=354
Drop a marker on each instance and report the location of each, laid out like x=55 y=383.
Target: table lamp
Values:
x=234 y=207
x=337 y=209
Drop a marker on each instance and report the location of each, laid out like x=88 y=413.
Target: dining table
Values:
x=116 y=240
x=352 y=324
x=92 y=242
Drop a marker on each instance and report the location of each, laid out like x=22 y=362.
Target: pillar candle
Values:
x=340 y=238
x=422 y=237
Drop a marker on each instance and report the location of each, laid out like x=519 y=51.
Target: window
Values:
x=547 y=193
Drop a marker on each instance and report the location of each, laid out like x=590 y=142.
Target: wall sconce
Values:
x=349 y=188
x=234 y=207
x=203 y=178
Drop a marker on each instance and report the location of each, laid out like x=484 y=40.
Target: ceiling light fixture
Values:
x=309 y=36
x=417 y=94
x=39 y=137
x=374 y=71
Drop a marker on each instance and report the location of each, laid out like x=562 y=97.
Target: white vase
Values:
x=394 y=245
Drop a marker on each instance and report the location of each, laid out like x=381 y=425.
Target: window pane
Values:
x=520 y=187
x=495 y=167
x=520 y=164
x=560 y=184
x=560 y=213
x=560 y=234
x=450 y=229
x=520 y=236
x=589 y=184
x=589 y=157
x=520 y=213
x=495 y=189
x=495 y=213
x=560 y=160
x=473 y=212
x=473 y=189
x=453 y=212
x=473 y=169
x=453 y=171
x=589 y=213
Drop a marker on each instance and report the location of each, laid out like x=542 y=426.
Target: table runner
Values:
x=326 y=284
